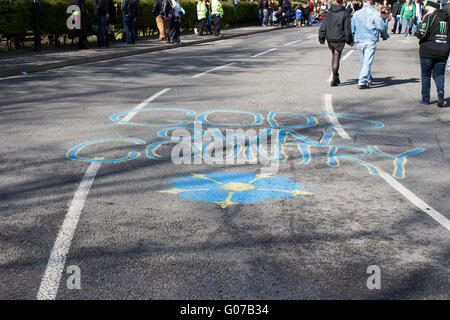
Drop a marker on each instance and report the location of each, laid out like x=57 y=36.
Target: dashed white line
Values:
x=348 y=54
x=260 y=54
x=292 y=42
x=332 y=116
x=52 y=276
x=310 y=36
x=213 y=69
x=419 y=203
x=143 y=104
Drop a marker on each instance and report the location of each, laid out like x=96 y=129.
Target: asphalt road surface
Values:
x=362 y=179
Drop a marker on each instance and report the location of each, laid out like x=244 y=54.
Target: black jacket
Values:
x=433 y=34
x=101 y=7
x=305 y=12
x=157 y=8
x=132 y=8
x=337 y=26
x=396 y=9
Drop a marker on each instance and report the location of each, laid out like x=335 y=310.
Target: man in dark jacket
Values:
x=101 y=10
x=131 y=11
x=159 y=14
x=336 y=29
x=433 y=34
x=396 y=9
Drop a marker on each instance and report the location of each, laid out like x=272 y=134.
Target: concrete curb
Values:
x=115 y=55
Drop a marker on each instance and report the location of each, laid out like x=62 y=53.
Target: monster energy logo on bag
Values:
x=443 y=27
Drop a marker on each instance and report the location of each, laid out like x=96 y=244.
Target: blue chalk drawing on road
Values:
x=228 y=188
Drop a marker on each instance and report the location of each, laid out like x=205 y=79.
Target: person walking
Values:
x=310 y=4
x=298 y=16
x=217 y=15
x=433 y=34
x=208 y=17
x=305 y=14
x=271 y=11
x=172 y=12
x=396 y=9
x=265 y=12
x=201 y=16
x=101 y=11
x=417 y=19
x=110 y=23
x=407 y=13
x=159 y=14
x=336 y=29
x=367 y=24
x=195 y=19
x=130 y=9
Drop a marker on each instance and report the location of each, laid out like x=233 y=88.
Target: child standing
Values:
x=298 y=16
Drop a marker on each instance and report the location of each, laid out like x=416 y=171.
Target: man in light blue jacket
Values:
x=367 y=25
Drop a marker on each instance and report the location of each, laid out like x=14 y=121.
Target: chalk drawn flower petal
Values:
x=257 y=195
x=276 y=183
x=213 y=195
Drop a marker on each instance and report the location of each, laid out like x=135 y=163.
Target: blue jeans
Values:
x=407 y=23
x=130 y=27
x=428 y=65
x=101 y=32
x=398 y=20
x=416 y=24
x=366 y=51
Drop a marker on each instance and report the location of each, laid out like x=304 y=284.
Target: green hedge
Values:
x=16 y=16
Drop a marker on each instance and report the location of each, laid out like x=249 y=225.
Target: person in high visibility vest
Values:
x=201 y=16
x=217 y=14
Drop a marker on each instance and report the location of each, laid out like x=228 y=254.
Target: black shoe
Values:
x=363 y=86
x=393 y=31
x=334 y=83
x=440 y=100
x=369 y=83
x=338 y=81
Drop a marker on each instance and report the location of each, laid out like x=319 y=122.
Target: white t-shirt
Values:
x=418 y=10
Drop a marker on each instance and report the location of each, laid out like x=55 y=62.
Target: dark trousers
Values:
x=437 y=67
x=130 y=27
x=397 y=20
x=174 y=30
x=217 y=19
x=102 y=32
x=201 y=26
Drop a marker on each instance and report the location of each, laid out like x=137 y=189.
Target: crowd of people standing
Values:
x=208 y=16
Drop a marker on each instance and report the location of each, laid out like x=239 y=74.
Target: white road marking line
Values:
x=310 y=36
x=419 y=203
x=332 y=116
x=292 y=42
x=143 y=104
x=213 y=69
x=55 y=267
x=348 y=54
x=260 y=54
